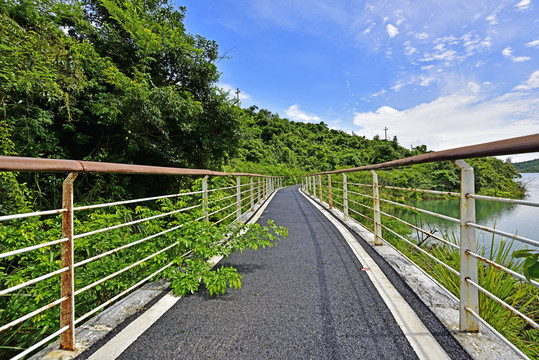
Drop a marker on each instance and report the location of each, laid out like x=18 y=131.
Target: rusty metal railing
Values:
x=354 y=200
x=219 y=205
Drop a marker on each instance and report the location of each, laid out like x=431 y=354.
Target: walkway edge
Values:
x=481 y=346
x=419 y=337
x=97 y=328
x=117 y=345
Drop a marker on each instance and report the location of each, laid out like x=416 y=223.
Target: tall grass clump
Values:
x=520 y=294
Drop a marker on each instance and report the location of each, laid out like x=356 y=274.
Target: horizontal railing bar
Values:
x=33 y=281
x=500 y=336
x=336 y=188
x=517 y=145
x=503 y=233
x=358 y=203
x=96 y=206
x=18 y=163
x=226 y=217
x=32 y=314
x=110 y=301
x=505 y=200
x=244 y=206
x=503 y=303
x=33 y=247
x=360 y=194
x=226 y=207
x=127 y=246
x=42 y=342
x=336 y=202
x=134 y=222
x=338 y=195
x=88 y=287
x=31 y=214
x=356 y=184
x=436 y=192
x=422 y=210
x=503 y=268
x=223 y=188
x=420 y=229
x=449 y=268
x=221 y=199
x=360 y=214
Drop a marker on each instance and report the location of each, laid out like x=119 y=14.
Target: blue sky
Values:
x=441 y=73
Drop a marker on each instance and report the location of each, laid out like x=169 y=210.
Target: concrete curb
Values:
x=102 y=324
x=484 y=345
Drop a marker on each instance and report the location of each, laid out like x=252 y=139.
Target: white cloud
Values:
x=462 y=118
x=531 y=83
x=534 y=43
x=296 y=114
x=400 y=18
x=399 y=85
x=426 y=80
x=421 y=36
x=392 y=31
x=381 y=92
x=524 y=4
x=369 y=28
x=508 y=53
x=408 y=49
x=492 y=19
x=232 y=91
x=520 y=58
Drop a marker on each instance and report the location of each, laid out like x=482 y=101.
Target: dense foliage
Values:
x=530 y=166
x=282 y=147
x=118 y=81
x=124 y=81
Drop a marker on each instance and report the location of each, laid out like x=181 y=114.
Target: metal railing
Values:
x=367 y=208
x=223 y=205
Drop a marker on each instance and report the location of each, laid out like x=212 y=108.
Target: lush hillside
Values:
x=531 y=166
x=271 y=144
x=126 y=82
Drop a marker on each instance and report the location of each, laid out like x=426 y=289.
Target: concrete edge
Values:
x=97 y=327
x=484 y=345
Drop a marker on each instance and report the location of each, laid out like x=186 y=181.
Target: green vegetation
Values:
x=124 y=81
x=190 y=246
x=531 y=166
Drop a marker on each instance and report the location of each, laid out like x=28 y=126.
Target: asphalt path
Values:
x=306 y=298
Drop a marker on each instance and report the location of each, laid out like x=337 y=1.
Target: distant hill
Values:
x=530 y=166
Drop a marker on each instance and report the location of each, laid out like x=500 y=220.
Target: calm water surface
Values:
x=515 y=219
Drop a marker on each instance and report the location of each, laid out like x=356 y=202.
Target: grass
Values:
x=519 y=294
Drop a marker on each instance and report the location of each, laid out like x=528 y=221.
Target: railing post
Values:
x=330 y=196
x=67 y=307
x=238 y=197
x=259 y=192
x=263 y=188
x=376 y=207
x=314 y=186
x=468 y=264
x=345 y=196
x=252 y=194
x=205 y=198
x=320 y=187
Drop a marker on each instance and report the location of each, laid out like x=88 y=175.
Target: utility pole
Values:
x=385 y=129
x=238 y=93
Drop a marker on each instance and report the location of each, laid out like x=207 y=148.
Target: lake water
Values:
x=515 y=219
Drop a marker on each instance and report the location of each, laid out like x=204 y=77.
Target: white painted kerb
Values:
x=117 y=345
x=419 y=337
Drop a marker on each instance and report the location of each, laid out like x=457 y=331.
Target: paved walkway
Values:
x=306 y=298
